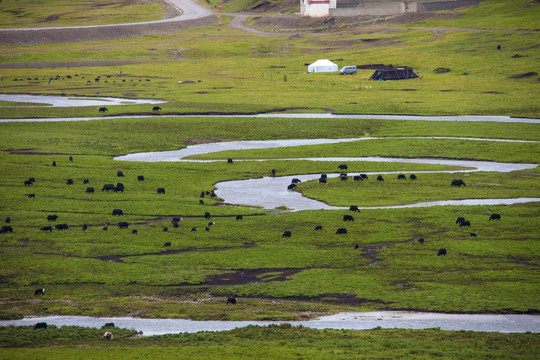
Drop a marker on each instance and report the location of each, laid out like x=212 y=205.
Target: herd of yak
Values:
x=119 y=187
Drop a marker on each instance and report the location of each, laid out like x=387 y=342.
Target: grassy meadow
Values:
x=222 y=70
x=272 y=342
x=49 y=13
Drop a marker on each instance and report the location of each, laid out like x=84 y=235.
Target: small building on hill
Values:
x=320 y=8
x=323 y=65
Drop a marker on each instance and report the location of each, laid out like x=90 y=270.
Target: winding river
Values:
x=351 y=321
x=271 y=192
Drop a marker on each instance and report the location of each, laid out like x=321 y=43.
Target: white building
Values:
x=320 y=8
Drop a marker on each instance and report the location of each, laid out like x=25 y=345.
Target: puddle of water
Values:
x=62 y=101
x=353 y=321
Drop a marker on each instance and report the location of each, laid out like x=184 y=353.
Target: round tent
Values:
x=322 y=66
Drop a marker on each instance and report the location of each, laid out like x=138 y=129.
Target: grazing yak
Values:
x=175 y=224
x=421 y=240
x=343 y=167
x=357 y=178
x=354 y=208
x=364 y=176
x=84 y=227
x=6 y=229
x=161 y=190
x=348 y=218
x=39 y=292
x=165 y=228
x=61 y=226
x=460 y=219
x=231 y=300
x=401 y=177
x=201 y=202
x=495 y=217
x=140 y=178
x=193 y=229
x=343 y=177
x=413 y=177
x=156 y=108
x=54 y=163
x=457 y=182
x=118 y=212
x=47 y=228
x=102 y=109
x=286 y=233
x=31 y=196
x=111 y=324
x=441 y=252
x=473 y=234
x=52 y=217
x=40 y=325
x=207 y=215
x=89 y=190
x=380 y=178
x=229 y=161
x=134 y=231
x=108 y=336
x=176 y=219
x=295 y=181
x=324 y=176
x=465 y=223
x=119 y=187
x=108 y=187
x=71 y=159
x=8 y=219
x=239 y=217
x=69 y=182
x=291 y=186
x=28 y=183
x=123 y=225
x=318 y=227
x=341 y=231
x=322 y=180
x=167 y=244
x=119 y=174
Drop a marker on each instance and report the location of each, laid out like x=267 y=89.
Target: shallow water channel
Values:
x=352 y=321
x=271 y=192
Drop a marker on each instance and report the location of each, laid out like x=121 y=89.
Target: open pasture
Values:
x=122 y=273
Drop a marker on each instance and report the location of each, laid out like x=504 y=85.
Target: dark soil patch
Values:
x=250 y=276
x=35 y=153
x=531 y=4
x=441 y=70
x=338 y=299
x=399 y=89
x=119 y=258
x=524 y=75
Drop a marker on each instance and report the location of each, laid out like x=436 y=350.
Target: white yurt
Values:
x=323 y=65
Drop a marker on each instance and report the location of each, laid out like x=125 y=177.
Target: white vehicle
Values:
x=348 y=70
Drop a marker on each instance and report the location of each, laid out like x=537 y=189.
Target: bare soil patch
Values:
x=250 y=276
x=524 y=75
x=337 y=299
x=98 y=33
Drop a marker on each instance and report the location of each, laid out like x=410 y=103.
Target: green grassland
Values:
x=48 y=13
x=242 y=72
x=118 y=273
x=271 y=342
